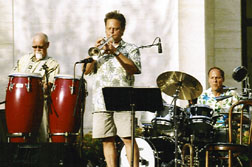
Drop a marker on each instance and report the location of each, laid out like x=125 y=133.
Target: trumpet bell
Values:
x=94 y=51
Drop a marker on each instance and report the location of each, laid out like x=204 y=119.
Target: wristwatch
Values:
x=116 y=53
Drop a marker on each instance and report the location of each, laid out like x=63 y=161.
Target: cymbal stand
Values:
x=175 y=96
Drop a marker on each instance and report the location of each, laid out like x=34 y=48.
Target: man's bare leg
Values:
x=109 y=151
x=128 y=147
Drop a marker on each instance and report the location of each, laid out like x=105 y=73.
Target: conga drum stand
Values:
x=132 y=99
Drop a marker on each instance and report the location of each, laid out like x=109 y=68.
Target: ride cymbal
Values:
x=189 y=88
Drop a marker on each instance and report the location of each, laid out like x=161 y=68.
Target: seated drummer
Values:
x=36 y=62
x=217 y=97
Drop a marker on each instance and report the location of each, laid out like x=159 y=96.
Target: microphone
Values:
x=159 y=46
x=87 y=60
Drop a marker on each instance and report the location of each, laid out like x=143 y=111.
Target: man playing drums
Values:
x=39 y=62
x=218 y=97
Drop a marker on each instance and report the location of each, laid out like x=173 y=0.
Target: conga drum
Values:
x=24 y=106
x=64 y=117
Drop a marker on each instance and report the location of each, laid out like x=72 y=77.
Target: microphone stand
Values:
x=81 y=90
x=48 y=96
x=148 y=46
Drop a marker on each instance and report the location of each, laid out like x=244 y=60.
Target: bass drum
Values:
x=153 y=152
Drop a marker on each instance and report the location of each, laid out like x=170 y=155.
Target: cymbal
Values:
x=189 y=88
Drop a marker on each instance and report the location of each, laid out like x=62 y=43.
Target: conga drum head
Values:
x=20 y=74
x=66 y=76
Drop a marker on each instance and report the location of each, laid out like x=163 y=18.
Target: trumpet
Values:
x=191 y=154
x=96 y=51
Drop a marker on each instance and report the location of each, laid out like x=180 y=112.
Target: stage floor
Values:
x=40 y=155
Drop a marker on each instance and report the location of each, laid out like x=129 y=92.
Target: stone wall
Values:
x=223 y=37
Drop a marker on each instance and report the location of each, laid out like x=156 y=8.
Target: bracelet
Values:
x=116 y=53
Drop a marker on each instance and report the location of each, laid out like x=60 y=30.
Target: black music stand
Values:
x=132 y=99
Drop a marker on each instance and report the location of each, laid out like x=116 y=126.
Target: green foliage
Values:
x=92 y=150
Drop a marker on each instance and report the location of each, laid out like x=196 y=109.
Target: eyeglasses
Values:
x=40 y=47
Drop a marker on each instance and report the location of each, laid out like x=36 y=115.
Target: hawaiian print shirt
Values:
x=110 y=73
x=222 y=106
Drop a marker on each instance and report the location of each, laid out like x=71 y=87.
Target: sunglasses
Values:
x=40 y=47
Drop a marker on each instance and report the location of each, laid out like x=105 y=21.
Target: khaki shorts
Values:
x=108 y=124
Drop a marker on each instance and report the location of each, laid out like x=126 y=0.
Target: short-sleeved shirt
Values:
x=221 y=107
x=110 y=73
x=208 y=98
x=29 y=64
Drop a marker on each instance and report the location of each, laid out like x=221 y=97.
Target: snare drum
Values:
x=64 y=123
x=152 y=152
x=24 y=105
x=200 y=118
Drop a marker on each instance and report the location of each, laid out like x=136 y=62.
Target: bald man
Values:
x=34 y=63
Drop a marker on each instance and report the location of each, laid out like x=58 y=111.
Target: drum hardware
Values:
x=180 y=86
x=18 y=137
x=72 y=88
x=11 y=85
x=28 y=85
x=65 y=134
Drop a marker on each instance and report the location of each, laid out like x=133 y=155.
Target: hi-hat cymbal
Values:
x=189 y=88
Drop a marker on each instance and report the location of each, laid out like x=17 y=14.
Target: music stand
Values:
x=132 y=99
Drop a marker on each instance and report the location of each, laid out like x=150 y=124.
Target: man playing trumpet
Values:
x=116 y=67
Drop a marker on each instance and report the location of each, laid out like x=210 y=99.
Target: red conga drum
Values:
x=24 y=105
x=64 y=123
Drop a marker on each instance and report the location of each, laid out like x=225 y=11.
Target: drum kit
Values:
x=163 y=143
x=166 y=140
x=25 y=102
